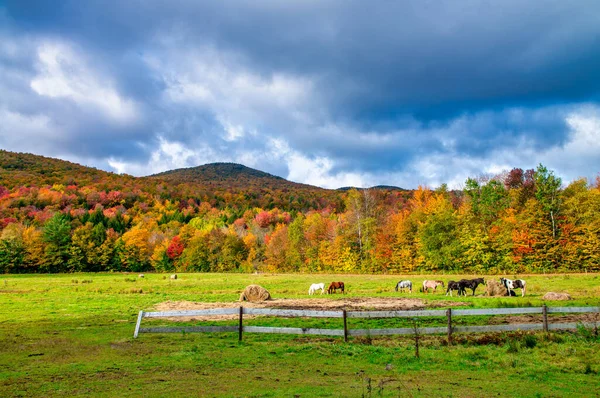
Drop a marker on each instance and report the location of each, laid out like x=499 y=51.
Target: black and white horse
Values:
x=404 y=285
x=510 y=284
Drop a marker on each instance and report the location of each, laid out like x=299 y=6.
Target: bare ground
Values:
x=356 y=304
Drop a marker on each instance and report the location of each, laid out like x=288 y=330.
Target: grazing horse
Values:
x=510 y=284
x=471 y=284
x=404 y=285
x=335 y=286
x=316 y=286
x=452 y=285
x=431 y=284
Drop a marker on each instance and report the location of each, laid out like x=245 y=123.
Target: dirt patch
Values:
x=350 y=304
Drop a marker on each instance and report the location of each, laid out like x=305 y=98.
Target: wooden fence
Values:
x=449 y=329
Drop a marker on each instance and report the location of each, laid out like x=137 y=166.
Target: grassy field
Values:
x=71 y=335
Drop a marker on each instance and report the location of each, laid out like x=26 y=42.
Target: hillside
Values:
x=228 y=176
x=26 y=169
x=220 y=184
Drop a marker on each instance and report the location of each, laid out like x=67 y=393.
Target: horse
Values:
x=452 y=285
x=431 y=284
x=316 y=286
x=510 y=284
x=404 y=285
x=471 y=284
x=334 y=286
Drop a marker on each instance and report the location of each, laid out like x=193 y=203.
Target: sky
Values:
x=327 y=93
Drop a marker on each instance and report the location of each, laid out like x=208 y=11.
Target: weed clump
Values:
x=530 y=341
x=132 y=290
x=588 y=369
x=514 y=346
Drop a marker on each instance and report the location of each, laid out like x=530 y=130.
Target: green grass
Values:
x=71 y=335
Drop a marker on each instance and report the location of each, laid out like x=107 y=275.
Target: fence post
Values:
x=241 y=327
x=449 y=315
x=137 y=325
x=345 y=326
x=545 y=317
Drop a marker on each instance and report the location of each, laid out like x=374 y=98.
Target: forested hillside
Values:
x=230 y=176
x=57 y=216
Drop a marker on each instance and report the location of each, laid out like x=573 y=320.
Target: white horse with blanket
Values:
x=316 y=286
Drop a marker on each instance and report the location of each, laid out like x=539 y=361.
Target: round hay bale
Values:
x=255 y=293
x=495 y=289
x=556 y=296
x=174 y=276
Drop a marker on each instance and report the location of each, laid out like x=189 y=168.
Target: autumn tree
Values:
x=12 y=248
x=438 y=236
x=277 y=246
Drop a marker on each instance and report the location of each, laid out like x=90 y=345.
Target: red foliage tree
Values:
x=263 y=219
x=175 y=248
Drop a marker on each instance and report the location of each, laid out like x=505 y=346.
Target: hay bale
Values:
x=174 y=276
x=495 y=289
x=556 y=296
x=255 y=293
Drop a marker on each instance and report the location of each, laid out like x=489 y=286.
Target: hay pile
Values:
x=556 y=296
x=495 y=289
x=255 y=293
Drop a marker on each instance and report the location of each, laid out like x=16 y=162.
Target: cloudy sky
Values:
x=329 y=93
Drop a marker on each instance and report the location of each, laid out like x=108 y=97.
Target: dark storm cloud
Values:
x=390 y=84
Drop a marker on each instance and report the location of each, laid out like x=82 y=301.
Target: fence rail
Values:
x=345 y=331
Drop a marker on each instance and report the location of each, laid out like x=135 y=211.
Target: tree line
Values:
x=518 y=221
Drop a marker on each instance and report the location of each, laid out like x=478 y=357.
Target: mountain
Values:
x=230 y=176
x=219 y=184
x=376 y=187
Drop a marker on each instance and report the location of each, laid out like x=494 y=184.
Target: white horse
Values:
x=404 y=285
x=431 y=285
x=516 y=284
x=316 y=286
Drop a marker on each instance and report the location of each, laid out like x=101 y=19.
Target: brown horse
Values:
x=334 y=286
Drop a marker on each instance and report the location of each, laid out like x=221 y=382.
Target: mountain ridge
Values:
x=221 y=173
x=28 y=169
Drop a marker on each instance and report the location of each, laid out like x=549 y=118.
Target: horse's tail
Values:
x=523 y=289
x=397 y=286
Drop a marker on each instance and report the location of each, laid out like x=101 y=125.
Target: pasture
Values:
x=71 y=335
